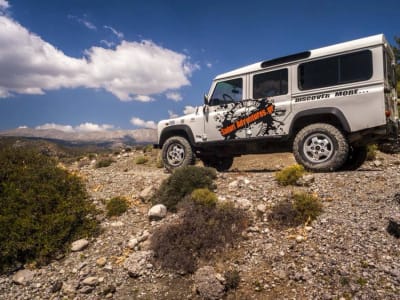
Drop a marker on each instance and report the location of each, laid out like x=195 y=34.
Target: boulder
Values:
x=23 y=277
x=208 y=283
x=157 y=212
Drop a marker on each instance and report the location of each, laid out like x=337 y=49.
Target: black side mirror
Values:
x=205 y=99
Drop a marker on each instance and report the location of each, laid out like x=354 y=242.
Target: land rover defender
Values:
x=325 y=105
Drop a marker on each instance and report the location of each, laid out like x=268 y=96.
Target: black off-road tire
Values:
x=357 y=156
x=221 y=164
x=321 y=147
x=176 y=153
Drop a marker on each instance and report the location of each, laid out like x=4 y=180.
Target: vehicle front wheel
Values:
x=221 y=164
x=177 y=152
x=320 y=147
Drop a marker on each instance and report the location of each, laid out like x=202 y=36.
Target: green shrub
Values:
x=141 y=160
x=42 y=208
x=290 y=175
x=104 y=162
x=372 y=151
x=159 y=162
x=148 y=148
x=204 y=196
x=116 y=206
x=182 y=183
x=202 y=231
x=303 y=207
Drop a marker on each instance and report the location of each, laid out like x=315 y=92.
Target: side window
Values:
x=270 y=84
x=336 y=70
x=227 y=92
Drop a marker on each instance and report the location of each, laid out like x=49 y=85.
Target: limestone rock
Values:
x=79 y=245
x=23 y=277
x=207 y=283
x=157 y=212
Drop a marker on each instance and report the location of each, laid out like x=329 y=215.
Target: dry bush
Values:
x=116 y=206
x=301 y=208
x=201 y=231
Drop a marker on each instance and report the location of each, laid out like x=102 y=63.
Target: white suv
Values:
x=325 y=105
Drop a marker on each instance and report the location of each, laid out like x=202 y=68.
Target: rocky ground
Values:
x=346 y=253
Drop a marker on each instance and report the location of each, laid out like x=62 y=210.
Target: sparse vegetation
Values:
x=116 y=206
x=232 y=278
x=182 y=183
x=42 y=208
x=148 y=148
x=290 y=175
x=301 y=208
x=371 y=151
x=140 y=160
x=104 y=162
x=202 y=230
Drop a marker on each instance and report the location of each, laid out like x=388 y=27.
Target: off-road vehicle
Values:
x=325 y=105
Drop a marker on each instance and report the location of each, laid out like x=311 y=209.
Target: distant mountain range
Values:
x=112 y=137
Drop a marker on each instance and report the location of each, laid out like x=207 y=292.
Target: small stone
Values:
x=23 y=277
x=117 y=224
x=111 y=289
x=299 y=238
x=56 y=287
x=69 y=287
x=308 y=228
x=86 y=289
x=306 y=180
x=79 y=245
x=146 y=193
x=244 y=203
x=101 y=262
x=261 y=208
x=92 y=281
x=133 y=243
x=157 y=212
x=377 y=163
x=136 y=263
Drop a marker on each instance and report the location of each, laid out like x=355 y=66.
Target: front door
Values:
x=226 y=105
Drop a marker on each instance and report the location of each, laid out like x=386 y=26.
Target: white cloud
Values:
x=83 y=21
x=143 y=98
x=66 y=128
x=174 y=96
x=4 y=4
x=141 y=123
x=22 y=127
x=107 y=43
x=119 y=34
x=84 y=127
x=172 y=115
x=209 y=65
x=131 y=71
x=189 y=109
x=90 y=127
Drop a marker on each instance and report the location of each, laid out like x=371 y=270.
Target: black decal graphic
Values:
x=241 y=117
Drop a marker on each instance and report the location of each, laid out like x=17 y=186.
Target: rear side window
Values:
x=270 y=84
x=336 y=70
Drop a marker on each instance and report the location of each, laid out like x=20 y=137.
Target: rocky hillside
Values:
x=127 y=137
x=346 y=253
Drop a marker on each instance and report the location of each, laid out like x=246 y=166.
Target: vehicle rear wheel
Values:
x=221 y=164
x=320 y=147
x=357 y=156
x=177 y=152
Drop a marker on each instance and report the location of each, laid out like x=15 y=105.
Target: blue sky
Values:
x=81 y=65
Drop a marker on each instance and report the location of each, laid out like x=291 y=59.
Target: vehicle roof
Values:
x=369 y=41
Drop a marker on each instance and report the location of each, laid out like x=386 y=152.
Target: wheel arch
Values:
x=329 y=115
x=176 y=130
